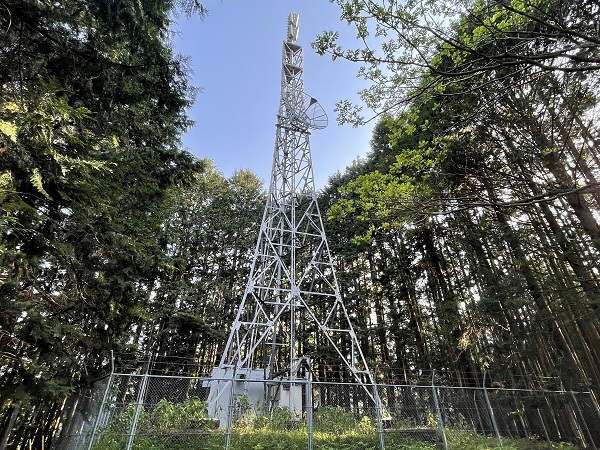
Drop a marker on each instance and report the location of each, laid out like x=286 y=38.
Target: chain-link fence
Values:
x=483 y=415
x=151 y=411
x=79 y=415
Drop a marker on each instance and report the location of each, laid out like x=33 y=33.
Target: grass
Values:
x=461 y=440
x=263 y=440
x=173 y=427
x=269 y=439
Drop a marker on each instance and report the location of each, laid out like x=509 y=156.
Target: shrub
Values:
x=333 y=419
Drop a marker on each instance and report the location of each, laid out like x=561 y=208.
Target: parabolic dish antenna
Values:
x=306 y=111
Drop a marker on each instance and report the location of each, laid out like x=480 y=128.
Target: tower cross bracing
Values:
x=292 y=308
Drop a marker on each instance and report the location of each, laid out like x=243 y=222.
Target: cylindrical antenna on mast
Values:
x=292 y=34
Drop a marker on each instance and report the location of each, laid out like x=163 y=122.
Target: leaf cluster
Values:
x=92 y=105
x=458 y=42
x=475 y=213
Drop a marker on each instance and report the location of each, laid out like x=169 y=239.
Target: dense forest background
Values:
x=468 y=239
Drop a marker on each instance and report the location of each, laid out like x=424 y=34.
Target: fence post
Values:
x=104 y=398
x=489 y=405
x=479 y=421
x=438 y=411
x=309 y=407
x=138 y=407
x=230 y=408
x=379 y=411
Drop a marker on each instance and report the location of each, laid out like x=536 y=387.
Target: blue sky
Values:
x=236 y=58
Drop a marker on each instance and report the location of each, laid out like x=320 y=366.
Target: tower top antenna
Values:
x=292 y=31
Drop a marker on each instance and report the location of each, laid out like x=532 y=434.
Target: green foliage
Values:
x=275 y=439
x=207 y=239
x=465 y=197
x=468 y=239
x=165 y=417
x=405 y=179
x=186 y=425
x=284 y=419
x=469 y=441
x=92 y=108
x=471 y=44
x=330 y=419
x=242 y=409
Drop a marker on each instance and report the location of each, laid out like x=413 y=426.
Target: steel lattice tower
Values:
x=292 y=306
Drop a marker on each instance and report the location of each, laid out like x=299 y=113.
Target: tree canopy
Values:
x=93 y=105
x=480 y=196
x=471 y=45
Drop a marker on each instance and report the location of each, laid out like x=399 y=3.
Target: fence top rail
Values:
x=329 y=383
